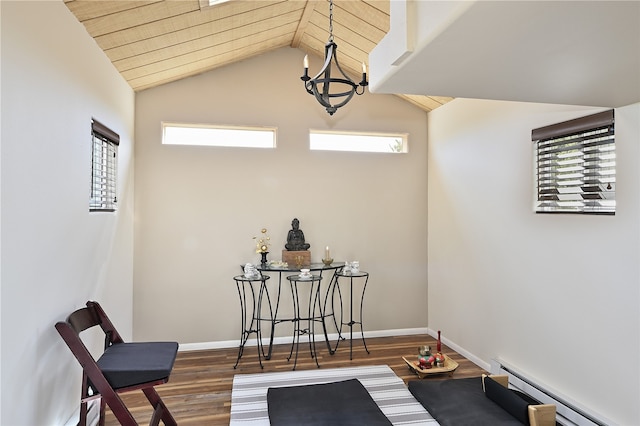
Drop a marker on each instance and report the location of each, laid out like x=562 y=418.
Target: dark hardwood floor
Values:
x=199 y=390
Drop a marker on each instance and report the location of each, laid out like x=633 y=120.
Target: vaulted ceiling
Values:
x=153 y=42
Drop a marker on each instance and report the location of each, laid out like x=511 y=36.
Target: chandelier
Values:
x=332 y=92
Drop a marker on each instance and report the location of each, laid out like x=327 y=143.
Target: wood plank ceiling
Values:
x=153 y=42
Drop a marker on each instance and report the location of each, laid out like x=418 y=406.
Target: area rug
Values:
x=249 y=393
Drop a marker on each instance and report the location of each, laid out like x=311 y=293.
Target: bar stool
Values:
x=312 y=283
x=252 y=324
x=350 y=276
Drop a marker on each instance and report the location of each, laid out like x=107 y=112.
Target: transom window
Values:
x=210 y=135
x=576 y=165
x=358 y=141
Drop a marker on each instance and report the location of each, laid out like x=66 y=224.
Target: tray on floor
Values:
x=448 y=368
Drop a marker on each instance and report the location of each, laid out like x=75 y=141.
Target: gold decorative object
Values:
x=294 y=258
x=327 y=262
x=263 y=243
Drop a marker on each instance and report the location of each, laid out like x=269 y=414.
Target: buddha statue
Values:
x=295 y=238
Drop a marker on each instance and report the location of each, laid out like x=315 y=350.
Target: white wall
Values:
x=55 y=255
x=197 y=208
x=194 y=223
x=573 y=324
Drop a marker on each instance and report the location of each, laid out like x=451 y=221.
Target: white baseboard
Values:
x=377 y=333
x=462 y=351
x=225 y=344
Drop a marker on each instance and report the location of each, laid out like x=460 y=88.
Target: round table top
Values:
x=252 y=278
x=308 y=278
x=352 y=274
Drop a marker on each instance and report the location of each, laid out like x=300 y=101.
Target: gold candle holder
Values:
x=327 y=262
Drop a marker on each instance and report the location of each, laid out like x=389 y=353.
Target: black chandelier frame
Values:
x=321 y=87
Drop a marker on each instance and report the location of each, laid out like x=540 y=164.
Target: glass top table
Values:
x=275 y=267
x=278 y=268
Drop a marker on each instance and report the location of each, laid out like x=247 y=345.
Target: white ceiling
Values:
x=563 y=52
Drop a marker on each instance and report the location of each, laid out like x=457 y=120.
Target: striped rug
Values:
x=249 y=393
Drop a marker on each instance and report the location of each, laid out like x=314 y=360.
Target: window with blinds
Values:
x=576 y=165
x=104 y=168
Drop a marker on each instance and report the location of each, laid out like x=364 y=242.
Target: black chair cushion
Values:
x=129 y=364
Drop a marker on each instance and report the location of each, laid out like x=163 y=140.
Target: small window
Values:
x=358 y=141
x=205 y=135
x=104 y=168
x=576 y=166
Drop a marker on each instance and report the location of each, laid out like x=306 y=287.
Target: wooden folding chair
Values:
x=121 y=368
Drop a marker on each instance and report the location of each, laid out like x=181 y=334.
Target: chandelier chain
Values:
x=330 y=20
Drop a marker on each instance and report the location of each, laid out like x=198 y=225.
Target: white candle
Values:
x=326 y=253
x=364 y=68
x=305 y=62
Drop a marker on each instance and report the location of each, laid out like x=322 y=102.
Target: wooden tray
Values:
x=449 y=367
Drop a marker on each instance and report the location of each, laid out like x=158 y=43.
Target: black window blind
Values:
x=104 y=162
x=576 y=165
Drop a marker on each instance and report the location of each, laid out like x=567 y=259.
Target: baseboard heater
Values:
x=568 y=413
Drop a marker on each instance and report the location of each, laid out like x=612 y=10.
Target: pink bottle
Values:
x=439 y=344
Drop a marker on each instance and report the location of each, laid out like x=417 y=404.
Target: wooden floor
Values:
x=199 y=390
